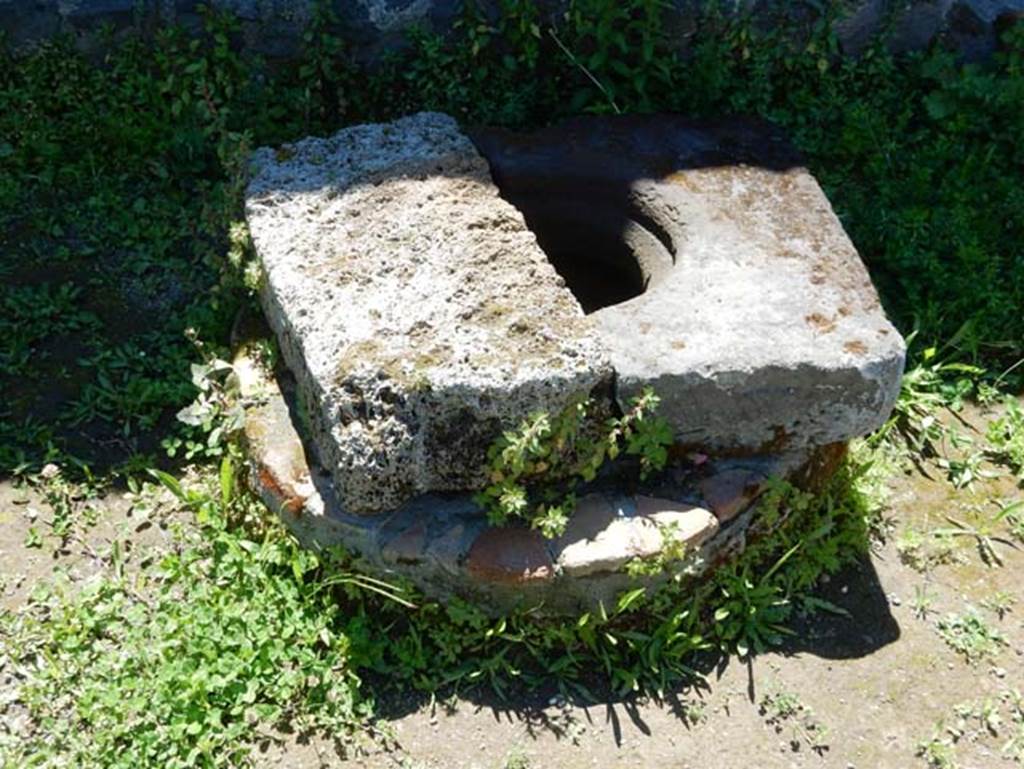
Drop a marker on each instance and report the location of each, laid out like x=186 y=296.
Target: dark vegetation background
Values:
x=120 y=180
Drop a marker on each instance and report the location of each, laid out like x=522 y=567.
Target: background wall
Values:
x=274 y=27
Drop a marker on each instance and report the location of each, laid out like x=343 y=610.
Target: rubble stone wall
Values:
x=274 y=27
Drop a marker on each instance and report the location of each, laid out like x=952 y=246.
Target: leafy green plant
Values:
x=216 y=414
x=1013 y=748
x=962 y=461
x=939 y=752
x=73 y=504
x=620 y=49
x=533 y=469
x=926 y=389
x=1006 y=437
x=189 y=661
x=785 y=712
x=1013 y=515
x=517 y=759
x=323 y=70
x=751 y=614
x=672 y=550
x=1000 y=603
x=923 y=550
x=968 y=634
x=33 y=538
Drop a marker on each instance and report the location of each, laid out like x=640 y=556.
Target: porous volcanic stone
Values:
x=413 y=305
x=752 y=315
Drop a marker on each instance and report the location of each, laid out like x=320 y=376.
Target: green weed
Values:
x=939 y=752
x=923 y=601
x=925 y=550
x=1000 y=603
x=1006 y=437
x=984 y=535
x=787 y=714
x=968 y=634
x=1013 y=515
x=751 y=614
x=533 y=470
x=997 y=722
x=517 y=759
x=229 y=634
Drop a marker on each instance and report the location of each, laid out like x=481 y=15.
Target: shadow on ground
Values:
x=859 y=625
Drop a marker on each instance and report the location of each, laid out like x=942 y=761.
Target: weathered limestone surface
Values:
x=757 y=323
x=415 y=308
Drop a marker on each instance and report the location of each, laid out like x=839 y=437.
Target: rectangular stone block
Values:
x=415 y=308
x=747 y=309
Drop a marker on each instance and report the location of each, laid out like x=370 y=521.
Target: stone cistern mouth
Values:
x=685 y=242
x=601 y=252
x=594 y=223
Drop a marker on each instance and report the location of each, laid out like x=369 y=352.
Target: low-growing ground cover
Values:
x=175 y=623
x=191 y=628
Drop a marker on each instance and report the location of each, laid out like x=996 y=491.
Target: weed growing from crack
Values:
x=533 y=470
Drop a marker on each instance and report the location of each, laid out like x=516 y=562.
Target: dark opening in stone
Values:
x=587 y=247
x=589 y=216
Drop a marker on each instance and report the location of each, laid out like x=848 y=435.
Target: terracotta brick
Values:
x=407 y=546
x=730 y=492
x=509 y=556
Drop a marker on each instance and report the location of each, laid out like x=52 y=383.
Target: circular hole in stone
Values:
x=592 y=217
x=604 y=254
x=587 y=248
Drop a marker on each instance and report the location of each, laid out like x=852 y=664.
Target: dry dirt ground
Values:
x=869 y=688
x=866 y=690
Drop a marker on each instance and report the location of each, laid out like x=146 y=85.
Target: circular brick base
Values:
x=445 y=545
